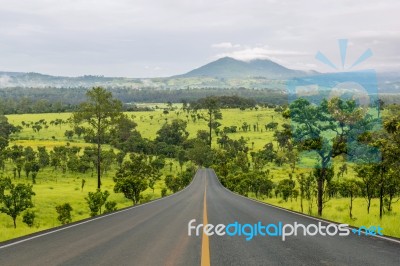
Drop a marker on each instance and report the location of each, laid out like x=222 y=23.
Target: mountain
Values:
x=223 y=73
x=228 y=67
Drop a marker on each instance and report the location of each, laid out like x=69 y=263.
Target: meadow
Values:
x=53 y=188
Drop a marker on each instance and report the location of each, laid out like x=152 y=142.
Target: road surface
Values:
x=157 y=234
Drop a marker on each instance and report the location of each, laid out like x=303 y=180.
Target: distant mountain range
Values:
x=228 y=67
x=223 y=73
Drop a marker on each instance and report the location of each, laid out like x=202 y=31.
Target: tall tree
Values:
x=97 y=115
x=213 y=113
x=328 y=129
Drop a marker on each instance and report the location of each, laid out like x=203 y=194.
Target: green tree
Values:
x=173 y=133
x=110 y=206
x=132 y=177
x=301 y=180
x=213 y=113
x=6 y=129
x=15 y=198
x=96 y=200
x=286 y=187
x=181 y=157
x=173 y=183
x=369 y=183
x=29 y=218
x=43 y=157
x=64 y=213
x=69 y=134
x=97 y=115
x=200 y=154
x=326 y=129
x=350 y=188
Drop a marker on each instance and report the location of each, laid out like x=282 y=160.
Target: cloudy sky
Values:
x=142 y=38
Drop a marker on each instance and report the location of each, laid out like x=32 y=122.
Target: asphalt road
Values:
x=157 y=234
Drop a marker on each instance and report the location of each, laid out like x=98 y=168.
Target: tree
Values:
x=96 y=200
x=35 y=167
x=43 y=157
x=6 y=129
x=351 y=189
x=200 y=154
x=172 y=183
x=286 y=187
x=98 y=114
x=173 y=133
x=69 y=134
x=110 y=206
x=181 y=157
x=15 y=198
x=212 y=106
x=64 y=213
x=369 y=180
x=29 y=218
x=132 y=177
x=283 y=137
x=327 y=129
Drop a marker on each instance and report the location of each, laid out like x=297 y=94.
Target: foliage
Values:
x=110 y=206
x=96 y=200
x=98 y=115
x=64 y=213
x=132 y=177
x=29 y=218
x=212 y=106
x=15 y=198
x=313 y=124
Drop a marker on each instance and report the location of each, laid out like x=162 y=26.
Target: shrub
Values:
x=64 y=213
x=29 y=217
x=96 y=200
x=164 y=192
x=110 y=206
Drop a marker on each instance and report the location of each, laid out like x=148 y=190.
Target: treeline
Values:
x=54 y=100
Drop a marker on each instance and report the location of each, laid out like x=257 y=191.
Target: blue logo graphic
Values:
x=360 y=86
x=368 y=231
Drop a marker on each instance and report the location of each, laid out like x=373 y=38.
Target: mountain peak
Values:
x=228 y=67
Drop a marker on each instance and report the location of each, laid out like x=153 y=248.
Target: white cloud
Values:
x=225 y=45
x=263 y=52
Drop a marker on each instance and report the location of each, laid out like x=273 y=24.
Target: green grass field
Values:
x=53 y=188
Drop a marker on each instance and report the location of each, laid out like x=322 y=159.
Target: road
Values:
x=157 y=234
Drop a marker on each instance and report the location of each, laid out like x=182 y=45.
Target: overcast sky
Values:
x=150 y=38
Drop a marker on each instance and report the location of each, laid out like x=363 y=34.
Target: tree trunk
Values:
x=381 y=202
x=15 y=224
x=301 y=203
x=351 y=206
x=368 y=205
x=210 y=125
x=98 y=165
x=98 y=155
x=320 y=194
